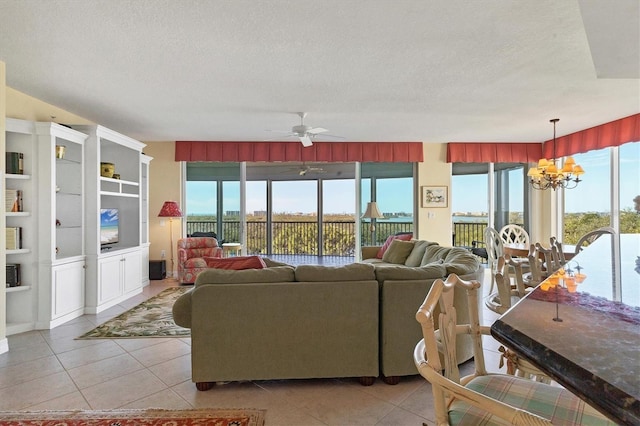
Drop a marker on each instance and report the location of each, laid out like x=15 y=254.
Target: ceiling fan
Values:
x=304 y=169
x=305 y=133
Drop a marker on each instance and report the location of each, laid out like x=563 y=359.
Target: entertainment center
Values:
x=85 y=237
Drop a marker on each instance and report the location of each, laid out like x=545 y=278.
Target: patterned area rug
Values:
x=151 y=318
x=156 y=417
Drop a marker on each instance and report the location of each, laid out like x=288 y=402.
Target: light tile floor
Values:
x=48 y=369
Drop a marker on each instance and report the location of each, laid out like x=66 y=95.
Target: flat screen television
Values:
x=109 y=226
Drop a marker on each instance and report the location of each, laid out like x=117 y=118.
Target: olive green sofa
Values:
x=282 y=323
x=405 y=274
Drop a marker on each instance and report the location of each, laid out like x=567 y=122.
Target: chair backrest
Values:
x=557 y=251
x=590 y=237
x=514 y=234
x=441 y=294
x=500 y=302
x=518 y=273
x=550 y=266
x=493 y=242
x=536 y=275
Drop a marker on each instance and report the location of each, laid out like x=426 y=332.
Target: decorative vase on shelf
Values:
x=60 y=151
x=107 y=169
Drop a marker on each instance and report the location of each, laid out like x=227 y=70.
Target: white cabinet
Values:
x=113 y=248
x=61 y=260
x=67 y=294
x=119 y=277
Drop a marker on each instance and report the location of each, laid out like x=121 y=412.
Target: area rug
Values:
x=152 y=318
x=155 y=417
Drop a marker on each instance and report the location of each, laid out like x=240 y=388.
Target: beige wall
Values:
x=434 y=224
x=165 y=177
x=26 y=107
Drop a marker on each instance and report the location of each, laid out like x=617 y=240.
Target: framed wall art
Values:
x=434 y=196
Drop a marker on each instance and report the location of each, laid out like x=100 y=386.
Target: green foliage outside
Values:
x=298 y=234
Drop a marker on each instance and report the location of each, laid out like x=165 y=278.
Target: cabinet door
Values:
x=68 y=289
x=109 y=280
x=132 y=271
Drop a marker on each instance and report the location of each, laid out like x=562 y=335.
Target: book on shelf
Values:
x=14 y=237
x=14 y=163
x=13 y=200
x=13 y=275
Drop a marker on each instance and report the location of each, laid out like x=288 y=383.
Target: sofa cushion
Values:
x=460 y=261
x=235 y=263
x=415 y=258
x=351 y=272
x=271 y=263
x=390 y=238
x=266 y=275
x=398 y=252
x=401 y=272
x=434 y=253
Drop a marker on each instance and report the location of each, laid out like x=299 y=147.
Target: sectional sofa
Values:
x=313 y=321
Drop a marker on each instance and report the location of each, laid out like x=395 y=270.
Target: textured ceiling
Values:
x=367 y=70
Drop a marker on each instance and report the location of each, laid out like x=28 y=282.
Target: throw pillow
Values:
x=235 y=263
x=385 y=246
x=398 y=252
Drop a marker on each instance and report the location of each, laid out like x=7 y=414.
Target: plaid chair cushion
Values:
x=557 y=405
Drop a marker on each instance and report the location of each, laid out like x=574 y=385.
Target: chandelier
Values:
x=547 y=174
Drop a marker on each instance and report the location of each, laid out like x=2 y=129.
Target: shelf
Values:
x=18 y=251
x=119 y=194
x=20 y=177
x=19 y=288
x=119 y=181
x=18 y=214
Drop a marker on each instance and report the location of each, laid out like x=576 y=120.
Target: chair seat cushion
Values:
x=555 y=404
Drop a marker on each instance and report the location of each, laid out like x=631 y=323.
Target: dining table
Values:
x=522 y=250
x=581 y=327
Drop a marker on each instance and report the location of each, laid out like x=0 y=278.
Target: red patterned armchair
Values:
x=191 y=254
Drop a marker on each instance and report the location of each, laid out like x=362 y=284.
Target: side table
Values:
x=231 y=249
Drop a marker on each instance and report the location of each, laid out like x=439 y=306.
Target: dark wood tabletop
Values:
x=586 y=336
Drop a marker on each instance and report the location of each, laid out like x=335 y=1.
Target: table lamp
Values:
x=372 y=213
x=170 y=209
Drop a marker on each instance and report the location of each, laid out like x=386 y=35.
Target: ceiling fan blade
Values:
x=316 y=130
x=306 y=140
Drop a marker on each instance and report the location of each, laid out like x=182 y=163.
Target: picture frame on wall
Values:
x=434 y=196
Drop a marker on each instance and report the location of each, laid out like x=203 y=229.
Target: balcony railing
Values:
x=289 y=237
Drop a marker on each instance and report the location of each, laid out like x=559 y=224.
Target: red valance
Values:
x=490 y=152
x=392 y=152
x=614 y=133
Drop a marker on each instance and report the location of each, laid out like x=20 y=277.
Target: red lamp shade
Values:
x=170 y=209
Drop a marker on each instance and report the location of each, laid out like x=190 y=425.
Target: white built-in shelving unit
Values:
x=114 y=272
x=21 y=301
x=61 y=254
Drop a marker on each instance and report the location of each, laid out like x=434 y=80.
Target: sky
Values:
x=467 y=193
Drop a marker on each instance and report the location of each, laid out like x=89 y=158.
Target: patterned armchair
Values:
x=191 y=254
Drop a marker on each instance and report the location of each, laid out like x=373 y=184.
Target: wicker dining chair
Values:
x=482 y=397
